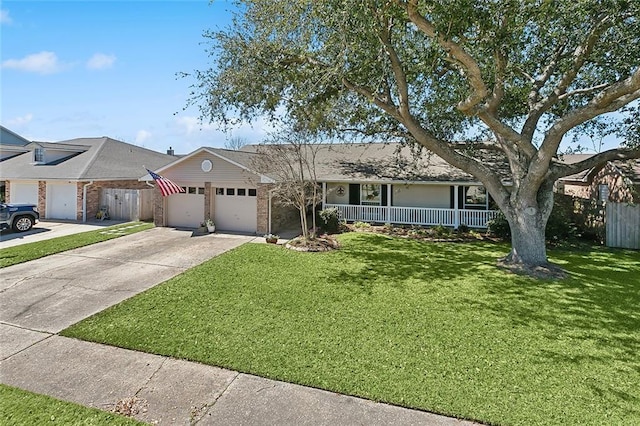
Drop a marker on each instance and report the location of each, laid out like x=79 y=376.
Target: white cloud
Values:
x=42 y=63
x=20 y=121
x=100 y=61
x=142 y=136
x=5 y=19
x=190 y=124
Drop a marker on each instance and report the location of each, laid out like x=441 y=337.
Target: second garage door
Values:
x=61 y=201
x=236 y=210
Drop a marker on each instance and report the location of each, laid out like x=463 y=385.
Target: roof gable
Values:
x=85 y=159
x=7 y=137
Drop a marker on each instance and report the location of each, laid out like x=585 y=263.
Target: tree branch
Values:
x=560 y=169
x=580 y=55
x=396 y=65
x=469 y=65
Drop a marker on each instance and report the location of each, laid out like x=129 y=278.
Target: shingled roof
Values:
x=385 y=162
x=630 y=169
x=89 y=159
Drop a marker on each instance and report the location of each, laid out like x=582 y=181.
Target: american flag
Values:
x=166 y=186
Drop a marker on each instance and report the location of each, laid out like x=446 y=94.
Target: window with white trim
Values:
x=370 y=194
x=38 y=155
x=475 y=197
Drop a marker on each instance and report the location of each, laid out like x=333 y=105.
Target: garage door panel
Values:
x=185 y=210
x=23 y=192
x=61 y=201
x=236 y=213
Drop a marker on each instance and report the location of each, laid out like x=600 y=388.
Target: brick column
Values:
x=262 y=193
x=42 y=198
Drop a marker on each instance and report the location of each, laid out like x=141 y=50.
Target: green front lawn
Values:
x=37 y=249
x=19 y=407
x=434 y=326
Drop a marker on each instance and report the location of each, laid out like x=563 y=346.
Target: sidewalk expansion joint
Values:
x=46 y=337
x=207 y=408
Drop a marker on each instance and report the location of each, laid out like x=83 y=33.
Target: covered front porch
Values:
x=423 y=205
x=414 y=215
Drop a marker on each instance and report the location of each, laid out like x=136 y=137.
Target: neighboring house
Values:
x=615 y=181
x=382 y=183
x=11 y=144
x=64 y=179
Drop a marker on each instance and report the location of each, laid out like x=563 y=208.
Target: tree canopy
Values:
x=516 y=76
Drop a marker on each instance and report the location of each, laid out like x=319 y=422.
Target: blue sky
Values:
x=93 y=68
x=108 y=68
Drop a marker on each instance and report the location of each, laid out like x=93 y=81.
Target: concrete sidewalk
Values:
x=169 y=391
x=40 y=298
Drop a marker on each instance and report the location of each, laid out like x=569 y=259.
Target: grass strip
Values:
x=433 y=326
x=37 y=249
x=20 y=407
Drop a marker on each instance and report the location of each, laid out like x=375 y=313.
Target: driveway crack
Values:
x=207 y=407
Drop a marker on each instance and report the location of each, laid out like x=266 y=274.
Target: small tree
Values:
x=235 y=143
x=290 y=158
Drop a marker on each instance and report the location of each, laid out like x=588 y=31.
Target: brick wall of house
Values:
x=282 y=217
x=208 y=196
x=158 y=209
x=619 y=190
x=42 y=198
x=262 y=192
x=7 y=191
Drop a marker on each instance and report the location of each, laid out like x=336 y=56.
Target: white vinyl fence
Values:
x=623 y=225
x=128 y=204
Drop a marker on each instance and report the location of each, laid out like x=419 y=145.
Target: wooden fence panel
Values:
x=623 y=225
x=145 y=204
x=128 y=204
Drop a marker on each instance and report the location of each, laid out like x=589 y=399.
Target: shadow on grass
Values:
x=598 y=303
x=590 y=318
x=397 y=260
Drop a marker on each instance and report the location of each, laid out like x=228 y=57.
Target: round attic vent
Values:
x=206 y=165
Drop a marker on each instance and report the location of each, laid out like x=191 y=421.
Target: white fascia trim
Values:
x=203 y=149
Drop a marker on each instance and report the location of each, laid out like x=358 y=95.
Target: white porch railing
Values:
x=414 y=215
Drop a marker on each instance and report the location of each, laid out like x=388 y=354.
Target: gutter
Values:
x=84 y=201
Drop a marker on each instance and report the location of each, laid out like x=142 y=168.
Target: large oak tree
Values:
x=517 y=76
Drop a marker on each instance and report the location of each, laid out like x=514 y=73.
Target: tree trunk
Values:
x=527 y=239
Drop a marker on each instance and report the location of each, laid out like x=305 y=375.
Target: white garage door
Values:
x=23 y=192
x=61 y=201
x=236 y=210
x=185 y=210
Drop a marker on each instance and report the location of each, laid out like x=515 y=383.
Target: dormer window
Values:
x=38 y=155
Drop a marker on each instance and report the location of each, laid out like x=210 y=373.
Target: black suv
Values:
x=19 y=217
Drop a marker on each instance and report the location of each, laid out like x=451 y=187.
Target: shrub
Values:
x=361 y=225
x=329 y=220
x=441 y=230
x=499 y=227
x=463 y=229
x=559 y=226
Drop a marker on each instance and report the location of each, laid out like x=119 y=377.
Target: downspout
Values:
x=269 y=212
x=84 y=201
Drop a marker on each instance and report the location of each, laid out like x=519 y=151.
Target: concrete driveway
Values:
x=52 y=293
x=46 y=229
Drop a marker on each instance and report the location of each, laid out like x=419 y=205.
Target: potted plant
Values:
x=271 y=238
x=211 y=227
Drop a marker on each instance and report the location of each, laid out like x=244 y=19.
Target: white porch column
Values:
x=456 y=220
x=389 y=191
x=324 y=195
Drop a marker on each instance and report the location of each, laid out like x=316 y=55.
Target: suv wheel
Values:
x=23 y=223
